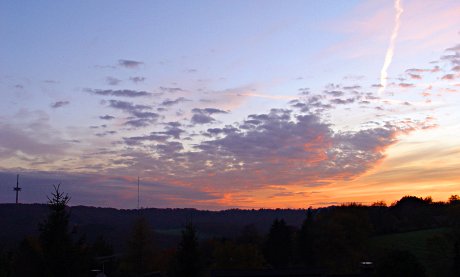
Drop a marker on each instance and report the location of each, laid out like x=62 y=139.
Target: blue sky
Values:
x=221 y=104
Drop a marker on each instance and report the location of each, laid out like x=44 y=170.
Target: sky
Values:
x=230 y=104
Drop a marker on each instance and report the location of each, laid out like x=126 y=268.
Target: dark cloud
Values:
x=208 y=111
x=304 y=91
x=406 y=85
x=173 y=124
x=416 y=70
x=50 y=81
x=454 y=49
x=202 y=119
x=106 y=117
x=173 y=130
x=339 y=101
x=448 y=77
x=169 y=102
x=119 y=93
x=155 y=137
x=127 y=106
x=335 y=93
x=203 y=116
x=59 y=104
x=141 y=116
x=138 y=122
x=137 y=79
x=453 y=58
x=112 y=81
x=33 y=143
x=227 y=130
x=129 y=63
x=169 y=148
x=435 y=69
x=171 y=89
x=415 y=76
x=103 y=134
x=355 y=87
x=311 y=104
x=283 y=148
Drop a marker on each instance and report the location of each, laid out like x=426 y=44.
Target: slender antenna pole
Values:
x=138 y=194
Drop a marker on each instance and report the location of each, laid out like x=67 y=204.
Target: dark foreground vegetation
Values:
x=412 y=237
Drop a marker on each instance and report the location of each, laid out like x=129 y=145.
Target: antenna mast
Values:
x=138 y=194
x=17 y=189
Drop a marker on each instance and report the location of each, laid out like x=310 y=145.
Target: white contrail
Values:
x=390 y=50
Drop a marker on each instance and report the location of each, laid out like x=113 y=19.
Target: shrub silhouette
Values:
x=398 y=263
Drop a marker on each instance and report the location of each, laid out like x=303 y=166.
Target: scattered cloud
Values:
x=112 y=81
x=406 y=85
x=199 y=118
x=50 y=81
x=209 y=111
x=137 y=79
x=171 y=89
x=119 y=93
x=59 y=104
x=415 y=76
x=203 y=116
x=33 y=143
x=448 y=77
x=176 y=101
x=129 y=63
x=339 y=101
x=107 y=117
x=136 y=140
x=106 y=133
x=140 y=114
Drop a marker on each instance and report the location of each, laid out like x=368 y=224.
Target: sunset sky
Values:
x=230 y=104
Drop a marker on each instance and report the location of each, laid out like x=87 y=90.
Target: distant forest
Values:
x=411 y=237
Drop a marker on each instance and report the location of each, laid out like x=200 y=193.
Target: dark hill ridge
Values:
x=18 y=221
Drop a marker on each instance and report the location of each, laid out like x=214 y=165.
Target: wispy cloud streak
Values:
x=390 y=50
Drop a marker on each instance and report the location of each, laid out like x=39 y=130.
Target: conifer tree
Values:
x=140 y=253
x=278 y=248
x=188 y=260
x=61 y=256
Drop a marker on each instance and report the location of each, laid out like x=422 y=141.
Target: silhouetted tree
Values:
x=413 y=213
x=456 y=268
x=305 y=240
x=29 y=259
x=100 y=250
x=278 y=247
x=140 y=253
x=101 y=247
x=340 y=237
x=249 y=235
x=6 y=262
x=454 y=199
x=61 y=256
x=230 y=255
x=188 y=261
x=398 y=263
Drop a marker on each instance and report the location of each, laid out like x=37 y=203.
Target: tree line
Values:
x=335 y=240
